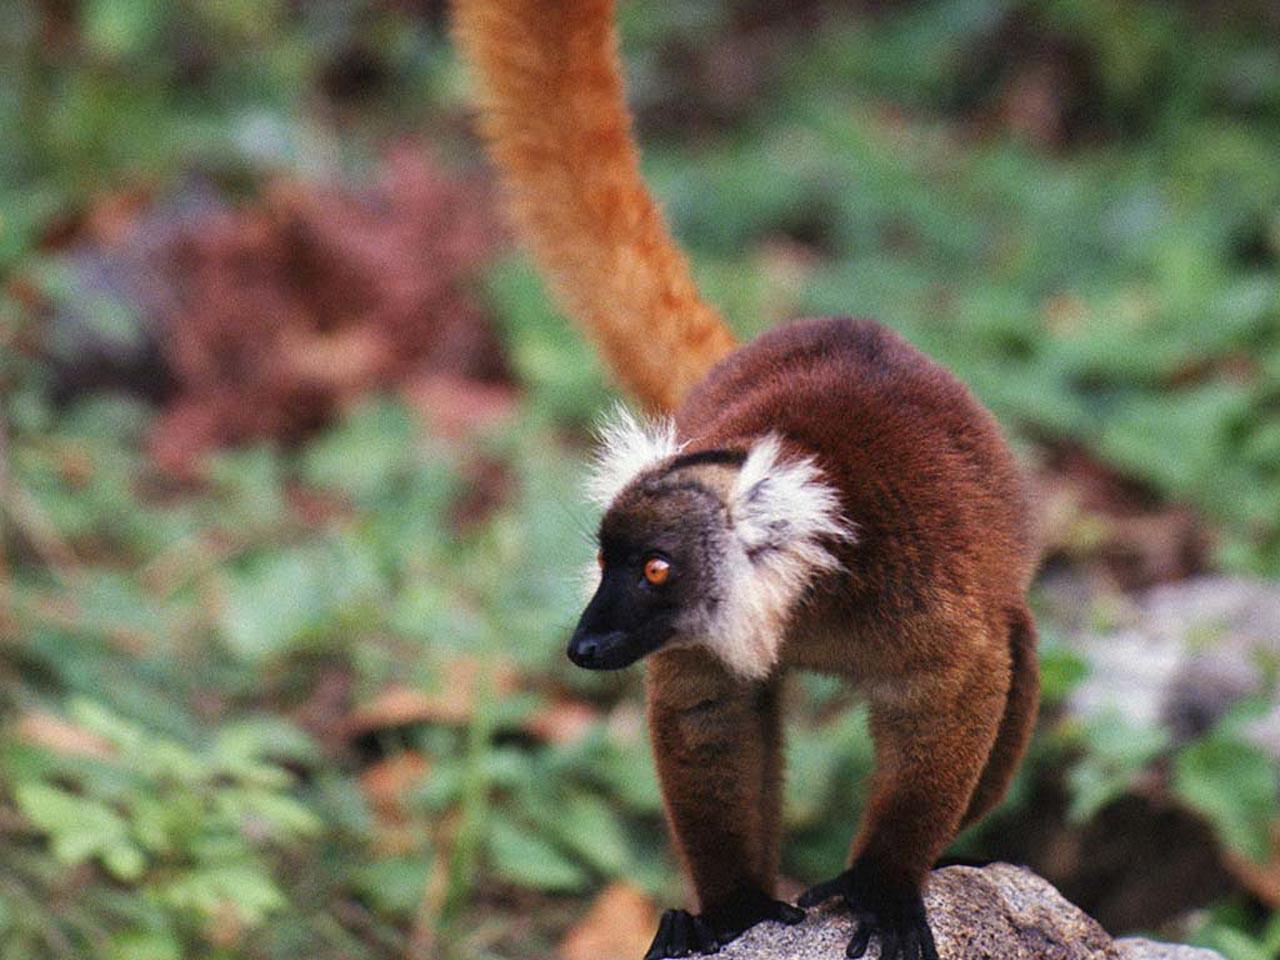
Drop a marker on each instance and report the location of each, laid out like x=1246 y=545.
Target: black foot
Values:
x=894 y=916
x=732 y=921
x=681 y=934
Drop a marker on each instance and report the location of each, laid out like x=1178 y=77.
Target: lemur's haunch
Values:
x=825 y=497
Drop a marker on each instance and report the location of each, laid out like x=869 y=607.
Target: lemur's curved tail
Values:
x=552 y=109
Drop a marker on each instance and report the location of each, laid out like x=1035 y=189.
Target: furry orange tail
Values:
x=552 y=109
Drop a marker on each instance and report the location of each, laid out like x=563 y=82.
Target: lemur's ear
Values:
x=781 y=507
x=627 y=448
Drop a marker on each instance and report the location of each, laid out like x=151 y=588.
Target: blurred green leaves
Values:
x=1114 y=289
x=1115 y=754
x=185 y=825
x=121 y=28
x=368 y=454
x=1232 y=783
x=80 y=829
x=528 y=859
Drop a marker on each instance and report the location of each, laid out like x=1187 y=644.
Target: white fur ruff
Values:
x=781 y=515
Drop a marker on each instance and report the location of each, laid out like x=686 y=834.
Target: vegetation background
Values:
x=292 y=441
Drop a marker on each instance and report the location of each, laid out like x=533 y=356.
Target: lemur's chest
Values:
x=836 y=637
x=826 y=639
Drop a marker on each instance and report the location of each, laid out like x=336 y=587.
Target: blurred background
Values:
x=292 y=446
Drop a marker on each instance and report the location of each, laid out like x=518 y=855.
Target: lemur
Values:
x=824 y=497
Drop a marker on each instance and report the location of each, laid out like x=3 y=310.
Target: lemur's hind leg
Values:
x=1019 y=719
x=717 y=741
x=934 y=726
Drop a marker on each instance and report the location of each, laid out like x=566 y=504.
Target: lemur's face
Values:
x=713 y=547
x=658 y=544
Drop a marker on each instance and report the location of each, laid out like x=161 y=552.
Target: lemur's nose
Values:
x=592 y=650
x=584 y=650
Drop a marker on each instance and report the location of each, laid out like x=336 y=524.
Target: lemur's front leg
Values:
x=933 y=734
x=716 y=739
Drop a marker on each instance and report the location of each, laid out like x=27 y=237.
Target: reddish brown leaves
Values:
x=287 y=309
x=63 y=737
x=1093 y=514
x=451 y=702
x=562 y=721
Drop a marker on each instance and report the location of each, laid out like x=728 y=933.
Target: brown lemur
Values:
x=824 y=497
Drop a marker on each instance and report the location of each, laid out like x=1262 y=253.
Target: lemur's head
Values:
x=714 y=547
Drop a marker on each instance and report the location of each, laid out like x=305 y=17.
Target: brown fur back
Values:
x=552 y=109
x=928 y=615
x=932 y=490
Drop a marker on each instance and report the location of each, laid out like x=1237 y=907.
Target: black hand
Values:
x=681 y=934
x=731 y=921
x=894 y=913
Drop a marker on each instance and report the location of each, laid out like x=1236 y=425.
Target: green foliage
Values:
x=1232 y=782
x=1237 y=936
x=187 y=827
x=1114 y=754
x=526 y=858
x=561 y=371
x=1061 y=668
x=1115 y=290
x=1222 y=775
x=199 y=819
x=79 y=829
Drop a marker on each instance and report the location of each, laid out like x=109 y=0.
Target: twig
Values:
x=442 y=907
x=6 y=587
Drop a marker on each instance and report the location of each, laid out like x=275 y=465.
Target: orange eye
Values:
x=656 y=571
x=600 y=559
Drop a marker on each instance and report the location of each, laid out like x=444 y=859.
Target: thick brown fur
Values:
x=552 y=109
x=928 y=616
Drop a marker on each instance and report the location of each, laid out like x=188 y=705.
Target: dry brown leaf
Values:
x=619 y=926
x=345 y=361
x=387 y=786
x=451 y=703
x=226 y=928
x=1260 y=879
x=63 y=737
x=562 y=721
x=396 y=706
x=113 y=216
x=389 y=781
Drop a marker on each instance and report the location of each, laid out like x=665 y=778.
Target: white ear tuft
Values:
x=783 y=516
x=782 y=510
x=628 y=447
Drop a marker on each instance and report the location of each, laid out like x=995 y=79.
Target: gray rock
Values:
x=1183 y=655
x=999 y=912
x=1135 y=948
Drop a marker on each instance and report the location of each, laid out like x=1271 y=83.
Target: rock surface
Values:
x=999 y=912
x=1182 y=656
